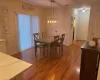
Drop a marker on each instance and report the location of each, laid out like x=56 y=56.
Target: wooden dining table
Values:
x=45 y=40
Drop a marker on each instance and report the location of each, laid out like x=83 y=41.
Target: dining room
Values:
x=40 y=34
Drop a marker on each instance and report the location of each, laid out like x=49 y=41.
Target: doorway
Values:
x=81 y=23
x=27 y=26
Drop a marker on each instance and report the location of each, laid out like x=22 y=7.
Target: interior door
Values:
x=82 y=25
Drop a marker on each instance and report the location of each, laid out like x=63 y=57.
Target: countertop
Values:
x=2 y=40
x=86 y=46
x=10 y=66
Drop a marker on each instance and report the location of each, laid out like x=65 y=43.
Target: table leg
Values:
x=35 y=50
x=49 y=50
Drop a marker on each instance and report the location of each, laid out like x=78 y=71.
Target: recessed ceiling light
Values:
x=83 y=10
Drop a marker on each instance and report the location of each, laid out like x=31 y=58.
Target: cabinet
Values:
x=12 y=68
x=2 y=45
x=89 y=62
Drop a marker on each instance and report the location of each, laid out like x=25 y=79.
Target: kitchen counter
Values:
x=3 y=45
x=10 y=67
x=2 y=40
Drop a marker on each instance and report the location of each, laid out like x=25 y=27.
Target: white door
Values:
x=24 y=27
x=82 y=25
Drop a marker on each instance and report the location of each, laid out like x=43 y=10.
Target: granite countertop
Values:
x=2 y=40
x=10 y=66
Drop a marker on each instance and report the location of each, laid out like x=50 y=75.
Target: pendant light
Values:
x=52 y=20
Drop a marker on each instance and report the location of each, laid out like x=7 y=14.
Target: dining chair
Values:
x=36 y=36
x=53 y=47
x=62 y=41
x=37 y=44
x=63 y=35
x=56 y=37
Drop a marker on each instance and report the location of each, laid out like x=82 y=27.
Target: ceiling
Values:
x=47 y=3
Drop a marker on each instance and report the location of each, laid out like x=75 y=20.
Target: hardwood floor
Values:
x=66 y=67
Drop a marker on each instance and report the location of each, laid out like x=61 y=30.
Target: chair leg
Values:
x=40 y=51
x=59 y=48
x=43 y=51
x=62 y=48
x=35 y=50
x=56 y=51
x=46 y=51
x=51 y=51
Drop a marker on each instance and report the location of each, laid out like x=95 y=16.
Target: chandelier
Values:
x=52 y=20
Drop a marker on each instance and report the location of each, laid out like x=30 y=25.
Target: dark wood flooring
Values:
x=66 y=67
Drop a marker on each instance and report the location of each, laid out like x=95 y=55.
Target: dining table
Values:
x=45 y=40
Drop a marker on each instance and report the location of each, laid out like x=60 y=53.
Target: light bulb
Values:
x=55 y=21
x=52 y=21
x=83 y=10
x=48 y=21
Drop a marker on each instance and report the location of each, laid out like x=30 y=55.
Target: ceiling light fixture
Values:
x=52 y=20
x=83 y=10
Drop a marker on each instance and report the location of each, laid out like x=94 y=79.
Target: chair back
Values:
x=62 y=39
x=56 y=37
x=54 y=43
x=36 y=36
x=63 y=36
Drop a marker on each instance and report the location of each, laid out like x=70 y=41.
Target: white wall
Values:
x=94 y=25
x=14 y=7
x=82 y=24
x=9 y=10
x=63 y=25
x=68 y=28
x=59 y=26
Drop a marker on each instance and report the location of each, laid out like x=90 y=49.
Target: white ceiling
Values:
x=47 y=3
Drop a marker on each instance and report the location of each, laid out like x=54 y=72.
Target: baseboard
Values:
x=15 y=53
x=20 y=51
